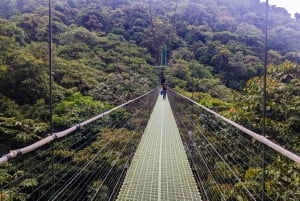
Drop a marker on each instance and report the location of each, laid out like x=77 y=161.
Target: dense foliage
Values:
x=104 y=52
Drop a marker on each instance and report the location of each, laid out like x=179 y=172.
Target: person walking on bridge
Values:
x=164 y=86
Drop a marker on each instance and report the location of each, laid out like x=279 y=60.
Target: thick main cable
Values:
x=61 y=134
x=256 y=136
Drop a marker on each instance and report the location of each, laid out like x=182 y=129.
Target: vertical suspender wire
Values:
x=175 y=16
x=153 y=34
x=154 y=53
x=265 y=99
x=194 y=61
x=129 y=64
x=50 y=91
x=193 y=80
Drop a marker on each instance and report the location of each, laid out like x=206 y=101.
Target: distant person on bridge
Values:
x=164 y=86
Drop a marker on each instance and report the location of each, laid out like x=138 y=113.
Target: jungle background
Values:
x=213 y=49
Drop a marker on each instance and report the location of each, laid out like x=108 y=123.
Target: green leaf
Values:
x=3 y=71
x=29 y=183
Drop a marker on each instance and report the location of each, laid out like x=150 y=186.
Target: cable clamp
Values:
x=54 y=136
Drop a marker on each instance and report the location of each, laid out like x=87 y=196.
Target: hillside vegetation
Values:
x=104 y=52
x=211 y=47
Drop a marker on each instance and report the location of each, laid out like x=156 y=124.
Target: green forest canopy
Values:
x=214 y=48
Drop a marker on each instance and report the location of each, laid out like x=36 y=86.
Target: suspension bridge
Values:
x=152 y=149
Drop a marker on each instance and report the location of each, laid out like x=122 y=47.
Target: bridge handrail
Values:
x=57 y=135
x=256 y=136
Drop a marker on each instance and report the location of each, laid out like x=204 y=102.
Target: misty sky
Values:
x=292 y=6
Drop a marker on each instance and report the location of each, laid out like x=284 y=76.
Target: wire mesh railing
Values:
x=88 y=162
x=227 y=158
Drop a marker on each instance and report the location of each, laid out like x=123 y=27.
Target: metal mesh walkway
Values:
x=160 y=169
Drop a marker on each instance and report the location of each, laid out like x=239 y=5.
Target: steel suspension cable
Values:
x=265 y=97
x=65 y=173
x=207 y=166
x=220 y=156
x=39 y=153
x=220 y=128
x=175 y=16
x=256 y=136
x=50 y=80
x=127 y=162
x=63 y=133
x=75 y=176
x=45 y=162
x=108 y=173
x=96 y=169
x=50 y=66
x=240 y=151
x=129 y=63
x=182 y=125
x=207 y=142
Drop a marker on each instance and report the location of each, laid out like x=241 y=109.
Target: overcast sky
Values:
x=292 y=6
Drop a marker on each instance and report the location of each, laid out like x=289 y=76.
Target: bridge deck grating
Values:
x=160 y=169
